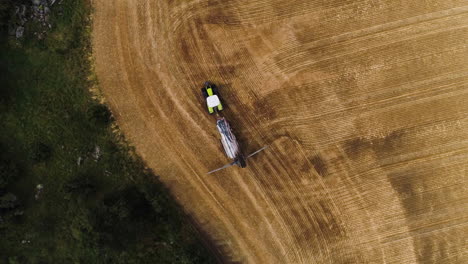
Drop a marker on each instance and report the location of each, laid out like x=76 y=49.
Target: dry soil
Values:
x=364 y=105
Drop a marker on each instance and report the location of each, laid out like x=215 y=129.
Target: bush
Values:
x=8 y=171
x=101 y=114
x=80 y=185
x=8 y=201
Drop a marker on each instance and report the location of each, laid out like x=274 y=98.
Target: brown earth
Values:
x=364 y=105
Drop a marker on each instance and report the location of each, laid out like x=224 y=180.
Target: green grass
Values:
x=112 y=210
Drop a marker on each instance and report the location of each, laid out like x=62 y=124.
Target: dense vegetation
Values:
x=71 y=191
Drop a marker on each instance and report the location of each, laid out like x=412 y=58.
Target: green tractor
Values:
x=210 y=92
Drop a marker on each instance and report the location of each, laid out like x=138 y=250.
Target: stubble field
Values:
x=364 y=105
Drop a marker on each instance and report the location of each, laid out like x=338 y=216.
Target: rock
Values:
x=38 y=12
x=39 y=189
x=19 y=32
x=97 y=153
x=22 y=13
x=18 y=213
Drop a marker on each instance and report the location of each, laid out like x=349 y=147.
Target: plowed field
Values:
x=364 y=105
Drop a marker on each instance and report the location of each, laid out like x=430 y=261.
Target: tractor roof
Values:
x=212 y=101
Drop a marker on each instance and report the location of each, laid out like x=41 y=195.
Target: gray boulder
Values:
x=19 y=32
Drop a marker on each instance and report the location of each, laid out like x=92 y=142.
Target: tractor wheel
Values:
x=215 y=89
x=205 y=94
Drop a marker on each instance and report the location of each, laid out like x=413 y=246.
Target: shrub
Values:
x=41 y=152
x=8 y=171
x=101 y=114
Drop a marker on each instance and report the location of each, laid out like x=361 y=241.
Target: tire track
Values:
x=361 y=102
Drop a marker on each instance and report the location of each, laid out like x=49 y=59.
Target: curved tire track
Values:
x=362 y=102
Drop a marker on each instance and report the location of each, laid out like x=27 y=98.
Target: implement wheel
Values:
x=241 y=161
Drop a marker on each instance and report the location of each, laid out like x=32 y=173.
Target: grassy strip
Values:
x=98 y=203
